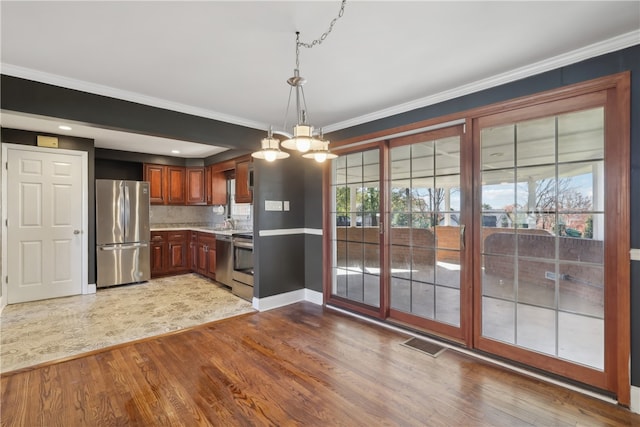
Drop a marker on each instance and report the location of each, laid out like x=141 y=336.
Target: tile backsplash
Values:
x=184 y=215
x=201 y=215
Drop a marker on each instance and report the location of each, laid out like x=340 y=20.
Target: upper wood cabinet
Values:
x=168 y=184
x=179 y=185
x=243 y=189
x=157 y=178
x=216 y=187
x=175 y=185
x=195 y=186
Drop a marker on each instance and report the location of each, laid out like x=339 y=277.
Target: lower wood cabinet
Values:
x=169 y=252
x=158 y=253
x=178 y=251
x=183 y=251
x=206 y=253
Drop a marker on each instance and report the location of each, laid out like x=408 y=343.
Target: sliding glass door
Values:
x=357 y=225
x=508 y=234
x=426 y=230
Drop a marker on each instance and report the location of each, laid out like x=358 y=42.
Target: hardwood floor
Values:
x=297 y=365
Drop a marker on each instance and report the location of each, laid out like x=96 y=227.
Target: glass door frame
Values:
x=328 y=229
x=610 y=95
x=616 y=378
x=463 y=332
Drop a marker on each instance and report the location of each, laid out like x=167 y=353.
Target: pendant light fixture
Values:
x=270 y=149
x=303 y=139
x=321 y=152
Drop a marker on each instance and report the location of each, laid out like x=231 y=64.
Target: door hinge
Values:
x=6 y=165
x=6 y=279
x=6 y=222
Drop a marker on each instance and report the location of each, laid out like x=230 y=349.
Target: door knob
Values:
x=76 y=231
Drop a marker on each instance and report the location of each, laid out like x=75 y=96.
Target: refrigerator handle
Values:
x=120 y=247
x=126 y=209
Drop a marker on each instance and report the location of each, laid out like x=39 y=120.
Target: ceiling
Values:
x=229 y=61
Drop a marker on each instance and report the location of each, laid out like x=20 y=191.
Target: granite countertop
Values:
x=205 y=228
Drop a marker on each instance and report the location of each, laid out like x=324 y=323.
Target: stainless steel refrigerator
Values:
x=122 y=232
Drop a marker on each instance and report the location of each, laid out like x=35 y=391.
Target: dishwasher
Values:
x=224 y=259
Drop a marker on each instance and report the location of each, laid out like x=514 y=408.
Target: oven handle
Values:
x=243 y=245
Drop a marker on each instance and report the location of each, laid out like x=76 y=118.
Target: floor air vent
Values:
x=426 y=347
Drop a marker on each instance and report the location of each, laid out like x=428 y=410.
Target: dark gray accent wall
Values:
x=623 y=60
x=69 y=143
x=280 y=261
x=114 y=169
x=313 y=265
x=32 y=97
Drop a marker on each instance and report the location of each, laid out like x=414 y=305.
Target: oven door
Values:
x=242 y=256
x=243 y=269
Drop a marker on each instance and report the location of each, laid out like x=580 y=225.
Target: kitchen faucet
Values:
x=229 y=224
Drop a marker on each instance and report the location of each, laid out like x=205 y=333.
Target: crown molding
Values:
x=606 y=46
x=83 y=86
x=593 y=50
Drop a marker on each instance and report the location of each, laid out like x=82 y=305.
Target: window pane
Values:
x=536 y=142
x=498 y=277
x=448 y=156
x=448 y=305
x=536 y=329
x=498 y=319
x=581 y=135
x=422 y=159
x=498 y=148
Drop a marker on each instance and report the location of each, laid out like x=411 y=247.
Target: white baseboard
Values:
x=280 y=300
x=89 y=288
x=314 y=296
x=635 y=399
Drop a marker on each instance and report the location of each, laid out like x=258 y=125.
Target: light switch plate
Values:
x=273 y=205
x=286 y=205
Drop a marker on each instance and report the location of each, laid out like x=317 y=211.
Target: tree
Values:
x=343 y=196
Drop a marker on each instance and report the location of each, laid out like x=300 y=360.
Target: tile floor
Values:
x=41 y=331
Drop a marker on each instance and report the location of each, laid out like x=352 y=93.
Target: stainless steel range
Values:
x=242 y=283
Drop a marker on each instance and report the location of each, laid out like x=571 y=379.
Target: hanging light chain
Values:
x=326 y=33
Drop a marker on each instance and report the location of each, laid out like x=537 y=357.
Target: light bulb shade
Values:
x=302 y=139
x=320 y=152
x=270 y=150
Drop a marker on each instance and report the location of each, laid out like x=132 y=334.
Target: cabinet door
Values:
x=218 y=184
x=243 y=192
x=195 y=186
x=211 y=262
x=156 y=176
x=158 y=253
x=178 y=253
x=202 y=258
x=208 y=172
x=193 y=251
x=175 y=185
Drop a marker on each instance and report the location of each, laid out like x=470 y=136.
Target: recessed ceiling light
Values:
x=64 y=127
x=175 y=151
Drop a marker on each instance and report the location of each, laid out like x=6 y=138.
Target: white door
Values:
x=44 y=230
